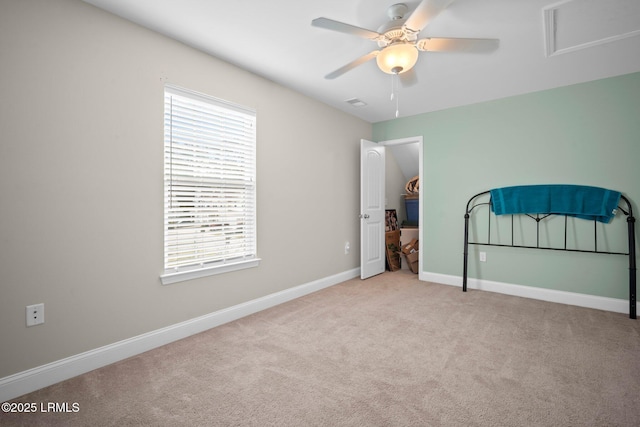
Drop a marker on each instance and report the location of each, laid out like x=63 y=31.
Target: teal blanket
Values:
x=580 y=201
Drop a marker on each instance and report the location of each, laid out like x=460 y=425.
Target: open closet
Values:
x=402 y=199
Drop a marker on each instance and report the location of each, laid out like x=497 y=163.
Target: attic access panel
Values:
x=572 y=25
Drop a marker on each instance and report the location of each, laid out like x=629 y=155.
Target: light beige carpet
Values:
x=388 y=351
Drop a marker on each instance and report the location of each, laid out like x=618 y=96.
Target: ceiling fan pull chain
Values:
x=392 y=88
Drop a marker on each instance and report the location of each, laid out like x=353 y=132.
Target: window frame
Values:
x=244 y=259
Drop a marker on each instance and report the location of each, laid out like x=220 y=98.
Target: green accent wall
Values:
x=587 y=134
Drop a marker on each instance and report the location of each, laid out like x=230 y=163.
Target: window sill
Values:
x=180 y=276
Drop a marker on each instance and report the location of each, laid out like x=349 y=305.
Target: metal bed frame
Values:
x=628 y=211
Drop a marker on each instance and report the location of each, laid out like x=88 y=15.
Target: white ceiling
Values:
x=275 y=39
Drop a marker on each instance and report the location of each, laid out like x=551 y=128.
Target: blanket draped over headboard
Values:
x=593 y=203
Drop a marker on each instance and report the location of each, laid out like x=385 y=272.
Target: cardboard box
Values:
x=407 y=234
x=392 y=244
x=412 y=261
x=411 y=247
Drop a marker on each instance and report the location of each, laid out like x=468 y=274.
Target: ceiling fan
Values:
x=398 y=40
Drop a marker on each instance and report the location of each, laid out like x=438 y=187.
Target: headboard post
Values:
x=632 y=264
x=466 y=251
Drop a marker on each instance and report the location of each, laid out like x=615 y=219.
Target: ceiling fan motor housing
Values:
x=394 y=30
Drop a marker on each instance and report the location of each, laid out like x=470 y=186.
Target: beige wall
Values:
x=81 y=182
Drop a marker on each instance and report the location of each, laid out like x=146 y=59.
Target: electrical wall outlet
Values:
x=483 y=257
x=35 y=314
x=347 y=248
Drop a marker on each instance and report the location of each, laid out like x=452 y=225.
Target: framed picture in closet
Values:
x=391 y=220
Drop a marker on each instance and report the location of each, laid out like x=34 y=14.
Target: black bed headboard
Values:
x=624 y=206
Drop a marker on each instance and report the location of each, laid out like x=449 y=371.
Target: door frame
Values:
x=420 y=141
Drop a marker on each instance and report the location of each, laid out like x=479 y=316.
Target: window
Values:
x=209 y=186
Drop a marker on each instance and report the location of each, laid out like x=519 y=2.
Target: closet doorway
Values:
x=375 y=195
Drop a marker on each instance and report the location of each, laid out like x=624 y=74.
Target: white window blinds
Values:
x=209 y=182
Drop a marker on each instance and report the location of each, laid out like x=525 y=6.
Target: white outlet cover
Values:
x=35 y=314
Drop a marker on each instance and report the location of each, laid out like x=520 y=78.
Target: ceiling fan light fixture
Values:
x=397 y=58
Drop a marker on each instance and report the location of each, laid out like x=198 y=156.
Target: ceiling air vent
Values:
x=572 y=25
x=355 y=102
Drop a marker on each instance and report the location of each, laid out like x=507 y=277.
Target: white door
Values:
x=372 y=222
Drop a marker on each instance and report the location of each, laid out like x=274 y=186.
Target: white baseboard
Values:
x=551 y=295
x=51 y=373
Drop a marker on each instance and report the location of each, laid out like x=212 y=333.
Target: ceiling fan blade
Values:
x=457 y=45
x=408 y=78
x=351 y=65
x=425 y=12
x=330 y=24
